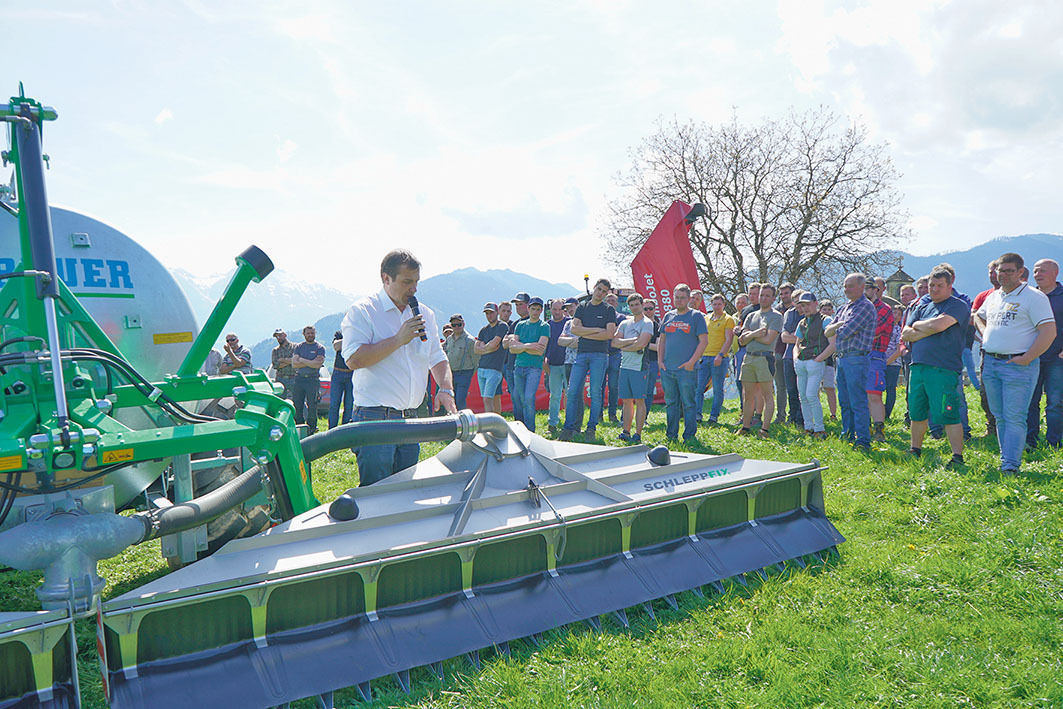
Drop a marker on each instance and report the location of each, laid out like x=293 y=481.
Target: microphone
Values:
x=416 y=308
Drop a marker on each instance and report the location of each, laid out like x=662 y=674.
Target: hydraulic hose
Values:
x=189 y=515
x=461 y=426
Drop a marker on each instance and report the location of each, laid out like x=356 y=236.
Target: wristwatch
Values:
x=445 y=391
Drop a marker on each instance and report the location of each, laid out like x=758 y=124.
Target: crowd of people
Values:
x=785 y=349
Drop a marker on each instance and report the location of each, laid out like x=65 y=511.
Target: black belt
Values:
x=388 y=411
x=994 y=355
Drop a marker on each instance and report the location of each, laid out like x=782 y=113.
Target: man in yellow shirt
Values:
x=713 y=364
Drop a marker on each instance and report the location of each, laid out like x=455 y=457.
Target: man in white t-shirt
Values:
x=1017 y=326
x=392 y=351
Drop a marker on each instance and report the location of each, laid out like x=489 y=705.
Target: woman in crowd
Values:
x=893 y=359
x=826 y=309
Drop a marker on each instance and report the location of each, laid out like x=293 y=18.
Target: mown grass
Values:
x=949 y=591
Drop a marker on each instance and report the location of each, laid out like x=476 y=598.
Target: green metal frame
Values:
x=265 y=423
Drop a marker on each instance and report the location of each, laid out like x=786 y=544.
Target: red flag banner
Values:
x=666 y=258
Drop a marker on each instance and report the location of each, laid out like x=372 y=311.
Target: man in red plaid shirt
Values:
x=876 y=371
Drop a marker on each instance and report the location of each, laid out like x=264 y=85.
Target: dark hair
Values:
x=398 y=257
x=1013 y=259
x=945 y=266
x=600 y=281
x=634 y=296
x=774 y=291
x=941 y=272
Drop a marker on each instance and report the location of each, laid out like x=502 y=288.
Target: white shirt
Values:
x=1012 y=319
x=400 y=379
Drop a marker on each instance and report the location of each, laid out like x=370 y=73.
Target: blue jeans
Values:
x=652 y=371
x=809 y=375
x=972 y=370
x=706 y=370
x=341 y=388
x=793 y=396
x=703 y=372
x=595 y=364
x=527 y=381
x=507 y=374
x=1009 y=388
x=305 y=391
x=377 y=462
x=893 y=376
x=1050 y=383
x=579 y=401
x=680 y=391
x=852 y=396
x=557 y=390
x=462 y=382
x=612 y=380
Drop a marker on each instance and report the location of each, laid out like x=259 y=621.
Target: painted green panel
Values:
x=659 y=525
x=592 y=541
x=418 y=579
x=782 y=496
x=16 y=670
x=509 y=559
x=722 y=511
x=315 y=601
x=186 y=629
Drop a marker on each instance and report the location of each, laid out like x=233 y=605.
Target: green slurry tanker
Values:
x=110 y=436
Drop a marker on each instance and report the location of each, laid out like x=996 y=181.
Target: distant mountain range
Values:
x=281 y=300
x=971 y=265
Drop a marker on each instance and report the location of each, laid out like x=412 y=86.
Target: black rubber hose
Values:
x=370 y=433
x=191 y=514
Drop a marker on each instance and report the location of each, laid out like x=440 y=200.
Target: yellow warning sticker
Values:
x=117 y=456
x=302 y=470
x=169 y=338
x=11 y=462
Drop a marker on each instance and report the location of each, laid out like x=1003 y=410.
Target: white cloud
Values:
x=286 y=150
x=163 y=116
x=307 y=28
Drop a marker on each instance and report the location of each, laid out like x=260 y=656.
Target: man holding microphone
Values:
x=392 y=344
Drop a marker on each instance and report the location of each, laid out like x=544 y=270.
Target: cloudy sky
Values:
x=488 y=134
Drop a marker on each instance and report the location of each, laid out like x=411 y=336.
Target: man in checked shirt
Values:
x=854 y=330
x=876 y=373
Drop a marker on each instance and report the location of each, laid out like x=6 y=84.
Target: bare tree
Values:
x=797 y=199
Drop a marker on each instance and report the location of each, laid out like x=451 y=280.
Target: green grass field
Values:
x=948 y=592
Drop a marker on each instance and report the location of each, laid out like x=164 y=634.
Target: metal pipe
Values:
x=461 y=426
x=189 y=515
x=34 y=200
x=251 y=265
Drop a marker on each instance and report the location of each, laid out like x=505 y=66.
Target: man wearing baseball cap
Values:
x=520 y=304
x=488 y=347
x=528 y=342
x=461 y=351
x=283 y=371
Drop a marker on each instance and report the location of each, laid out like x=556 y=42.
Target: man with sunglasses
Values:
x=649 y=362
x=460 y=347
x=237 y=357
